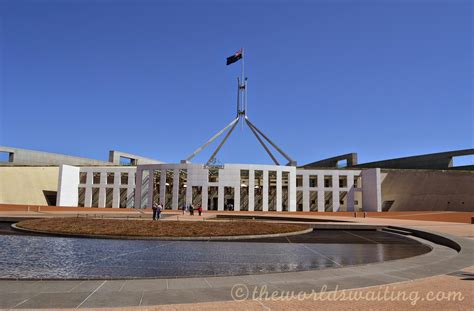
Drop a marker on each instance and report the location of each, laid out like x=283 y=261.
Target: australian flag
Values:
x=232 y=59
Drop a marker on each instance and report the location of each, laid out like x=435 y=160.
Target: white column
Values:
x=176 y=185
x=321 y=198
x=116 y=190
x=292 y=191
x=306 y=203
x=220 y=198
x=237 y=198
x=101 y=202
x=102 y=189
x=205 y=197
x=251 y=190
x=321 y=201
x=335 y=192
x=278 y=191
x=350 y=193
x=132 y=177
x=265 y=191
x=68 y=186
x=151 y=177
x=371 y=190
x=189 y=193
x=88 y=194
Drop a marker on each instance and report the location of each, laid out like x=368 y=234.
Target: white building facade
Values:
x=238 y=187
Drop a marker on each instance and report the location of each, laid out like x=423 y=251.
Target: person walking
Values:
x=184 y=208
x=158 y=211
x=154 y=209
x=191 y=210
x=200 y=210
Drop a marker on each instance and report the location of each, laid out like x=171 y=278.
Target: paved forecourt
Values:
x=145 y=292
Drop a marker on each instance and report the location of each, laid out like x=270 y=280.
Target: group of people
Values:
x=190 y=208
x=158 y=208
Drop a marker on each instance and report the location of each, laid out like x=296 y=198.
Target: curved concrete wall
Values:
x=423 y=190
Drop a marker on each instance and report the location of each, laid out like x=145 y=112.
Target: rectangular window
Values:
x=169 y=189
x=313 y=201
x=272 y=177
x=123 y=197
x=313 y=181
x=124 y=178
x=328 y=201
x=109 y=193
x=327 y=181
x=156 y=186
x=197 y=196
x=284 y=191
x=258 y=188
x=229 y=198
x=244 y=190
x=343 y=201
x=95 y=197
x=299 y=201
x=81 y=197
x=299 y=180
x=110 y=178
x=212 y=198
x=130 y=198
x=144 y=191
x=83 y=178
x=342 y=181
x=183 y=179
x=96 y=178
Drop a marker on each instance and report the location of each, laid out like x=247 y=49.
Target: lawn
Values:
x=148 y=228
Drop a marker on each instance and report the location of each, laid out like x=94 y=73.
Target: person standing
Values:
x=158 y=211
x=154 y=209
x=200 y=210
x=191 y=210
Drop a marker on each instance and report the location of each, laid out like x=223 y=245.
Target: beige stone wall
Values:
x=25 y=185
x=425 y=190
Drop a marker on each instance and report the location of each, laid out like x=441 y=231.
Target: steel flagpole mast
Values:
x=242 y=87
x=244 y=81
x=243 y=65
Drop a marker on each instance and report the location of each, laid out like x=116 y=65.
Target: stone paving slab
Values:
x=48 y=300
x=145 y=285
x=111 y=299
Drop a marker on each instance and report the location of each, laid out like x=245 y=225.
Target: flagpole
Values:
x=243 y=65
x=244 y=97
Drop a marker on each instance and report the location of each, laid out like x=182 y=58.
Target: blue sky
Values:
x=384 y=79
